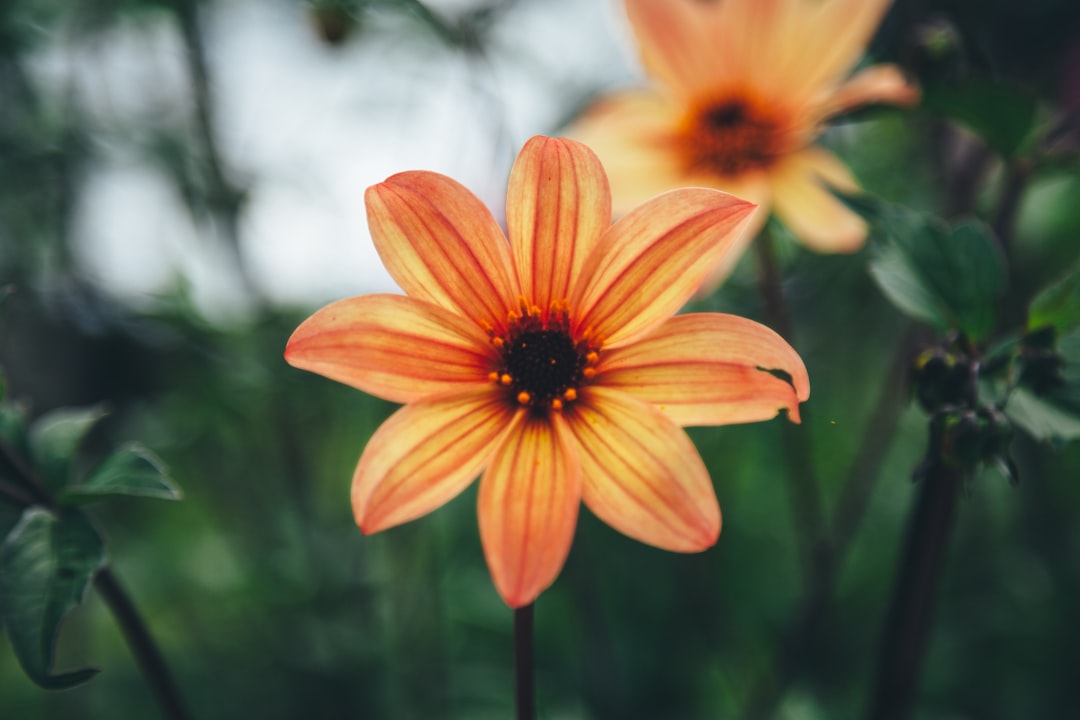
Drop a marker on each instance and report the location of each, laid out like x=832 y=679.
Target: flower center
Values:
x=541 y=362
x=730 y=137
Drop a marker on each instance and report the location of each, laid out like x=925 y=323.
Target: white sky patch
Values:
x=306 y=128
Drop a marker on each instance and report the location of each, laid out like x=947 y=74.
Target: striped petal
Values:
x=653 y=260
x=710 y=369
x=803 y=202
x=390 y=346
x=441 y=244
x=558 y=205
x=641 y=474
x=425 y=454
x=528 y=507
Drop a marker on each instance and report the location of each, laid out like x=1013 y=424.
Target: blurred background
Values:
x=181 y=183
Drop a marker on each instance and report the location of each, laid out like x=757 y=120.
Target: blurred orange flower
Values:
x=552 y=364
x=744 y=87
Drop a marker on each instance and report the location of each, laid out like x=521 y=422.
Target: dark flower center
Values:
x=544 y=364
x=730 y=137
x=541 y=363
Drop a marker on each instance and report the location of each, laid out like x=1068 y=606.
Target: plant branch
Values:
x=804 y=491
x=147 y=655
x=908 y=625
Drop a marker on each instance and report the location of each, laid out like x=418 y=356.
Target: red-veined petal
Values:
x=441 y=244
x=803 y=202
x=391 y=346
x=653 y=260
x=557 y=206
x=425 y=454
x=528 y=507
x=710 y=369
x=641 y=474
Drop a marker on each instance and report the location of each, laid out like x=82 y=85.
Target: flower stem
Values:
x=908 y=624
x=803 y=487
x=524 y=683
x=146 y=652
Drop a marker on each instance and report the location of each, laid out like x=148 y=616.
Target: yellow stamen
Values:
x=493 y=376
x=570 y=394
x=589 y=373
x=505 y=379
x=523 y=398
x=556 y=404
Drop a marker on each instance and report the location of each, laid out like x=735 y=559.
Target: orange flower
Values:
x=744 y=89
x=552 y=364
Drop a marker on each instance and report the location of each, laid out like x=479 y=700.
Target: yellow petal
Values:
x=528 y=507
x=557 y=204
x=876 y=84
x=803 y=202
x=710 y=369
x=425 y=454
x=441 y=244
x=834 y=36
x=641 y=474
x=653 y=260
x=390 y=346
x=678 y=46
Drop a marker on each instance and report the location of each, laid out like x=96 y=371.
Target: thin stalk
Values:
x=804 y=490
x=908 y=627
x=147 y=655
x=524 y=683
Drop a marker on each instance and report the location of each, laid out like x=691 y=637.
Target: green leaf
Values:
x=947 y=277
x=1005 y=118
x=1042 y=417
x=56 y=437
x=46 y=563
x=1057 y=306
x=130 y=470
x=13 y=430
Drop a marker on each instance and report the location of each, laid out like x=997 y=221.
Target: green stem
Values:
x=147 y=655
x=908 y=626
x=524 y=683
x=804 y=491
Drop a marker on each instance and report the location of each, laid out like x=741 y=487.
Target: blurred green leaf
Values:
x=54 y=440
x=46 y=563
x=13 y=436
x=948 y=277
x=1057 y=306
x=1042 y=417
x=130 y=470
x=1005 y=118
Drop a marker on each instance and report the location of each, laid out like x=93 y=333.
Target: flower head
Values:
x=553 y=364
x=743 y=90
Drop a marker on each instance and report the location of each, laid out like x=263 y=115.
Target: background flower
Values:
x=743 y=88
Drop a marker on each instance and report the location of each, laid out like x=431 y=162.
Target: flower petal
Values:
x=677 y=46
x=441 y=244
x=804 y=204
x=425 y=454
x=390 y=346
x=528 y=507
x=834 y=36
x=558 y=204
x=641 y=474
x=876 y=84
x=650 y=262
x=710 y=369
